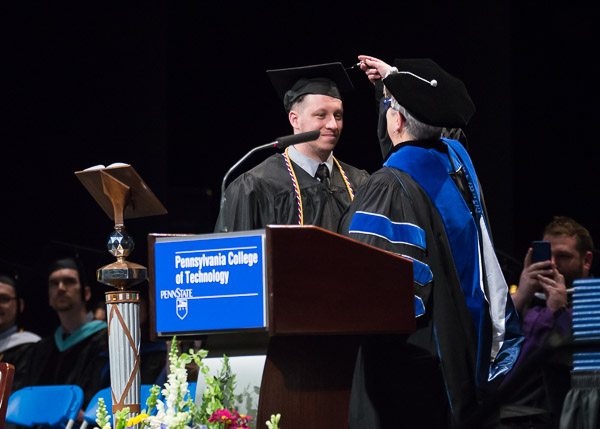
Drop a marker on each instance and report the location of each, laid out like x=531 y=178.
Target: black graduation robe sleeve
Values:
x=249 y=204
x=265 y=195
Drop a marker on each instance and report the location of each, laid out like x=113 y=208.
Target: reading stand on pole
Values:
x=122 y=194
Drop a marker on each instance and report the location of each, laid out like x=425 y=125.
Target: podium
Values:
x=324 y=293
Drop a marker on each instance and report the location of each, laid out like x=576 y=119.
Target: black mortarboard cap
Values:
x=326 y=79
x=73 y=263
x=9 y=272
x=429 y=93
x=15 y=274
x=69 y=262
x=11 y=281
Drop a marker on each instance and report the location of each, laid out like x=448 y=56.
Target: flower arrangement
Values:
x=175 y=409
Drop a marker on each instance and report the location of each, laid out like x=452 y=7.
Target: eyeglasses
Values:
x=4 y=299
x=388 y=103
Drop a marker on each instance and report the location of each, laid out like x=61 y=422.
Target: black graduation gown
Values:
x=85 y=364
x=429 y=380
x=17 y=356
x=265 y=195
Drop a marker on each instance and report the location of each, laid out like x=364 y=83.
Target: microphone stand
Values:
x=256 y=149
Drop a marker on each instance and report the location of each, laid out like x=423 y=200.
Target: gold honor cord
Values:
x=292 y=174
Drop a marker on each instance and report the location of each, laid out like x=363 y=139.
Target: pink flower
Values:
x=241 y=418
x=231 y=419
x=222 y=416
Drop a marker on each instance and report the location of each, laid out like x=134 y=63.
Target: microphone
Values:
x=280 y=143
x=283 y=142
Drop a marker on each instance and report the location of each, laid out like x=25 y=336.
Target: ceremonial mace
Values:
x=122 y=194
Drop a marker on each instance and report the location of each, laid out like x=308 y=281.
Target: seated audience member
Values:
x=541 y=378
x=14 y=342
x=77 y=352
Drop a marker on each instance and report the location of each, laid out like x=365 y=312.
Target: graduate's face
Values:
x=8 y=307
x=318 y=112
x=64 y=289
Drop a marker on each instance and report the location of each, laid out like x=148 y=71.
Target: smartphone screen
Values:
x=541 y=251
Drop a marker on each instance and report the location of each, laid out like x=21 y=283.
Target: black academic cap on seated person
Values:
x=326 y=79
x=69 y=262
x=429 y=93
x=11 y=274
x=15 y=274
x=10 y=280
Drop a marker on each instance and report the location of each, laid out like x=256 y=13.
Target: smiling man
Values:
x=305 y=185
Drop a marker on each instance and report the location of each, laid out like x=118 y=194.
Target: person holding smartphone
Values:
x=541 y=378
x=540 y=278
x=550 y=279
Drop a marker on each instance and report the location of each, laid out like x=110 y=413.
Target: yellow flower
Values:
x=137 y=419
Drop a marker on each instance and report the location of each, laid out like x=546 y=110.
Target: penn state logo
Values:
x=182 y=307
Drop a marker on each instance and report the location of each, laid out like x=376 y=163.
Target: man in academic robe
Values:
x=14 y=342
x=77 y=352
x=425 y=204
x=305 y=185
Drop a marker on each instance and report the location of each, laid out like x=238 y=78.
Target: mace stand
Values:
x=123 y=309
x=123 y=191
x=123 y=316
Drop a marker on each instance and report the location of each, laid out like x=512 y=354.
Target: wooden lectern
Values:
x=325 y=293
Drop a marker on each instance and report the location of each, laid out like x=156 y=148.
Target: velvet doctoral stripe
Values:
x=471 y=247
x=426 y=167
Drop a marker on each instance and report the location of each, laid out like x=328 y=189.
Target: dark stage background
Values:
x=179 y=91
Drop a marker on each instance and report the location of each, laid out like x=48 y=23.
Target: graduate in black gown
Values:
x=305 y=185
x=14 y=342
x=77 y=351
x=425 y=204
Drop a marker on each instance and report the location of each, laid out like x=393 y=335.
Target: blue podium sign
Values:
x=210 y=283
